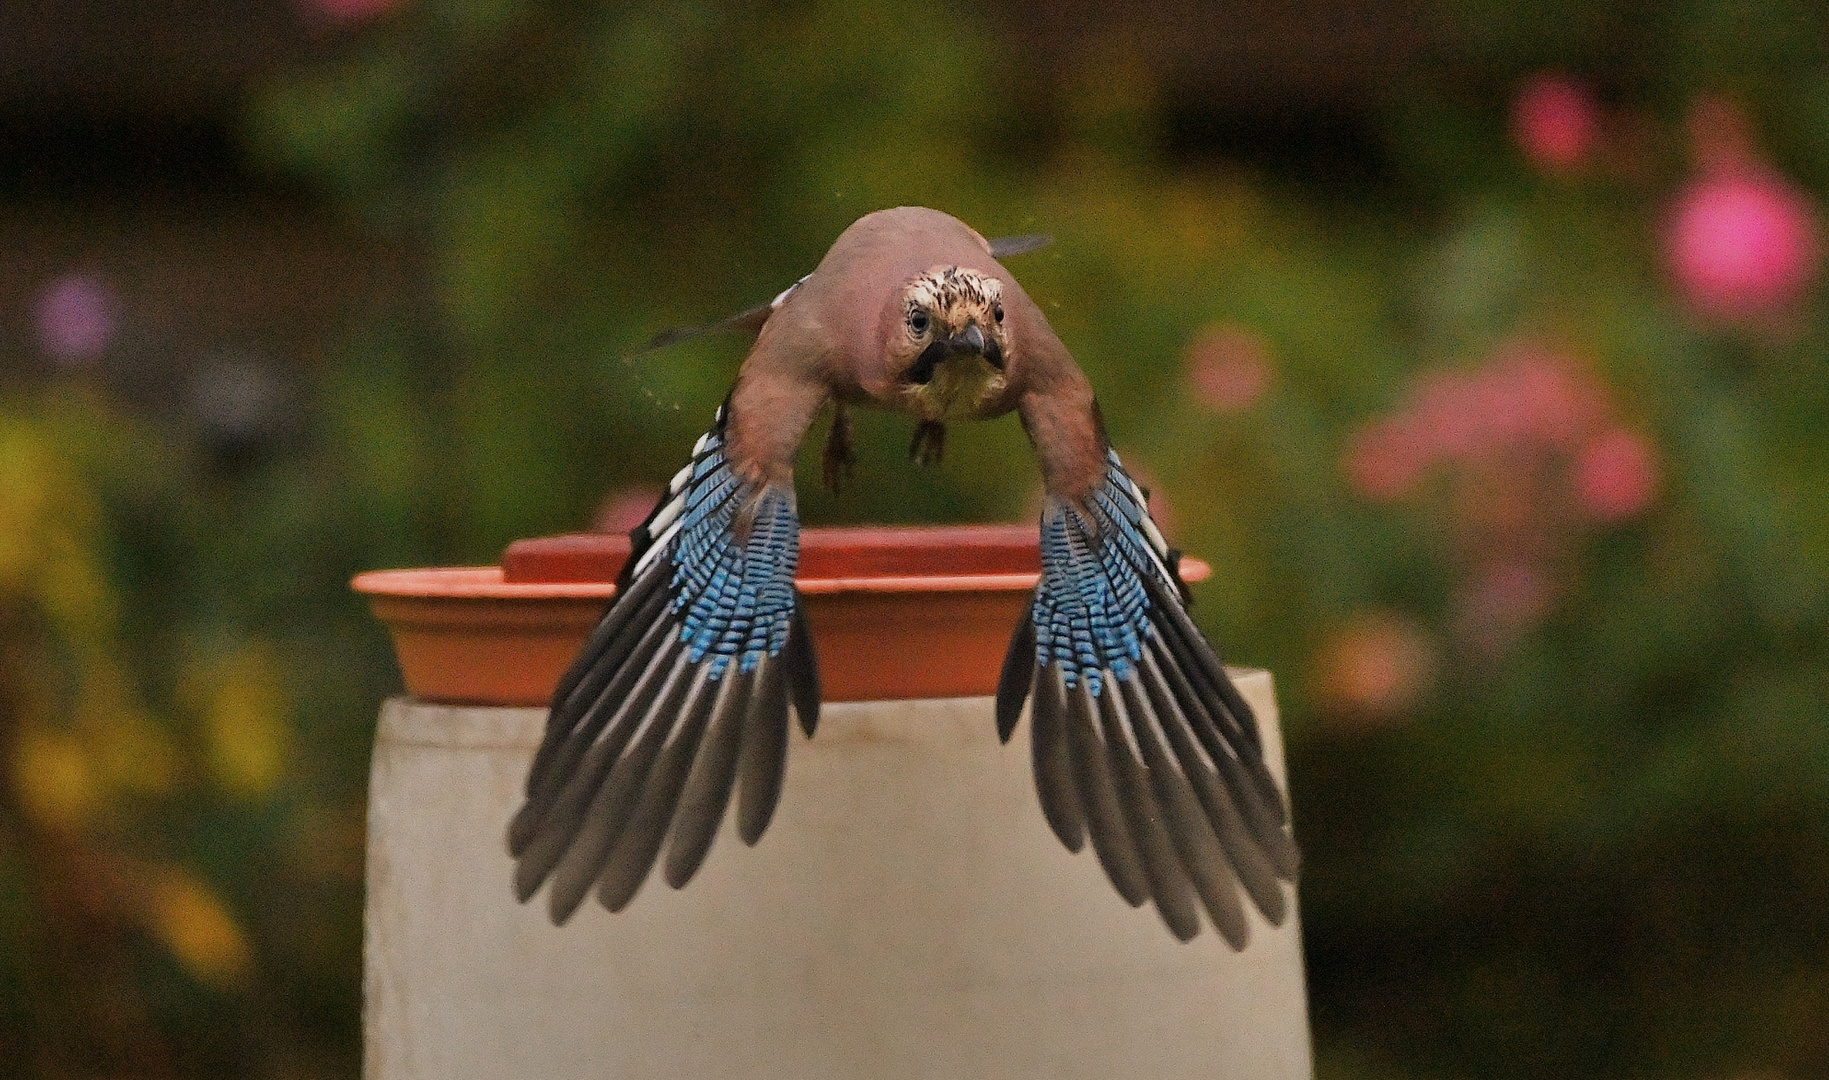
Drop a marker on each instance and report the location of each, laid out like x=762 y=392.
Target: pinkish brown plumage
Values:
x=842 y=336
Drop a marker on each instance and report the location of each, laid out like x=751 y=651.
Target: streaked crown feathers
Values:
x=945 y=290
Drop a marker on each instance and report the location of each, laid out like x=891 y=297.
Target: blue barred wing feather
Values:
x=1140 y=741
x=679 y=698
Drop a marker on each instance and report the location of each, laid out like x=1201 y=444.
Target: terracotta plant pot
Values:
x=896 y=613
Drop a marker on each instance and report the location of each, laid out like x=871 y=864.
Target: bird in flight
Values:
x=680 y=697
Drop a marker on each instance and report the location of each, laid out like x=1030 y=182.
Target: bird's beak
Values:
x=972 y=339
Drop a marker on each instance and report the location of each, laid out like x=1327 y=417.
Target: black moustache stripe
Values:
x=921 y=372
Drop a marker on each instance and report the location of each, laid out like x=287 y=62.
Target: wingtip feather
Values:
x=708 y=785
x=762 y=758
x=1052 y=762
x=803 y=671
x=1005 y=247
x=1017 y=676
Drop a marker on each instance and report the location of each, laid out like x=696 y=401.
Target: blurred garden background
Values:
x=1480 y=346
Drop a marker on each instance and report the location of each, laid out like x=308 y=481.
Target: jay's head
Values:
x=948 y=352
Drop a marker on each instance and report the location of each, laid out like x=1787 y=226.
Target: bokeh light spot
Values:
x=76 y=317
x=198 y=930
x=1375 y=668
x=1228 y=368
x=1555 y=121
x=1615 y=476
x=1742 y=245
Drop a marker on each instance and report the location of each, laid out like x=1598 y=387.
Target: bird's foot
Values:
x=929 y=443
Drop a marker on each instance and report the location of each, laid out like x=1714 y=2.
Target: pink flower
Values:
x=1742 y=244
x=1555 y=121
x=1615 y=476
x=1451 y=415
x=1228 y=368
x=77 y=316
x=1548 y=397
x=1384 y=460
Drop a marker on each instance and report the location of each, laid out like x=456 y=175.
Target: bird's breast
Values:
x=962 y=388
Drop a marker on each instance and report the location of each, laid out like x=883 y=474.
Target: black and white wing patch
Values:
x=679 y=696
x=1140 y=740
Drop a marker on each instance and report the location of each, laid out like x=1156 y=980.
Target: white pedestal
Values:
x=907 y=915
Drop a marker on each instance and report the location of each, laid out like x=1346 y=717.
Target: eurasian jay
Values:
x=681 y=693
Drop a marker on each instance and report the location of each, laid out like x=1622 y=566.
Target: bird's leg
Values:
x=929 y=443
x=837 y=459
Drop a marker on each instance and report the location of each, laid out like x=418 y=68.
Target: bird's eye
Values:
x=917 y=322
x=997 y=312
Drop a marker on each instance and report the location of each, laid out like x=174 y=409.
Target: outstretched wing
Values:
x=1139 y=738
x=1005 y=247
x=679 y=696
x=749 y=321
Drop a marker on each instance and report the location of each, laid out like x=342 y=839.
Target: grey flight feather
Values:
x=1199 y=849
x=762 y=759
x=559 y=755
x=708 y=788
x=640 y=843
x=1105 y=821
x=1052 y=760
x=608 y=815
x=1168 y=881
x=563 y=825
x=1013 y=682
x=749 y=321
x=1240 y=849
x=802 y=672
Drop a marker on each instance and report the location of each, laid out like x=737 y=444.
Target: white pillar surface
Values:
x=907 y=915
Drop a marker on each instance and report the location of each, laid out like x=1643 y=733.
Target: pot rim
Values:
x=489 y=583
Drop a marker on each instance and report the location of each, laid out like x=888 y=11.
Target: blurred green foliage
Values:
x=1555 y=703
